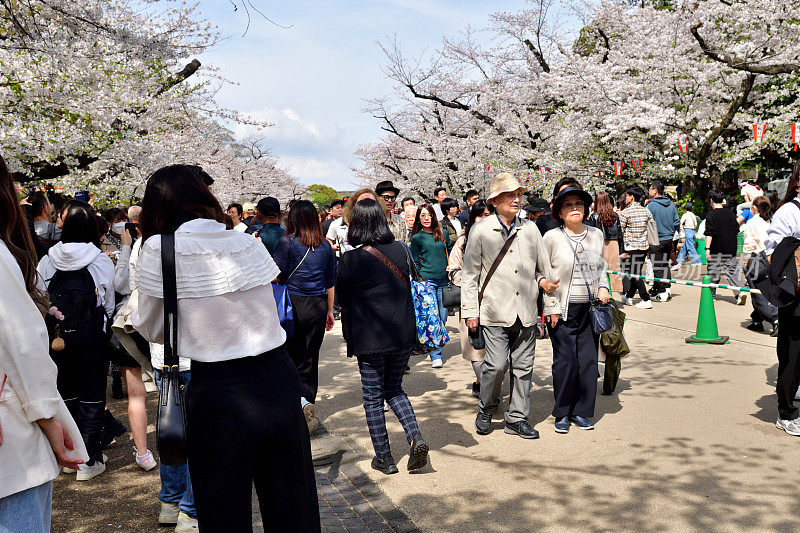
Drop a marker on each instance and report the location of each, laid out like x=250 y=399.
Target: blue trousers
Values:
x=688 y=248
x=438 y=285
x=28 y=510
x=382 y=379
x=176 y=485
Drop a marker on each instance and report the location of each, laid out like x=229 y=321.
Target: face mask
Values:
x=118 y=228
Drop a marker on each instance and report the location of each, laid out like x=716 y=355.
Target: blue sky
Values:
x=312 y=79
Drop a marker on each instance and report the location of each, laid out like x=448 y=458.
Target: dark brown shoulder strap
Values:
x=391 y=266
x=496 y=264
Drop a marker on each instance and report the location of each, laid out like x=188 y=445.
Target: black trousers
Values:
x=788 y=359
x=82 y=382
x=636 y=268
x=309 y=329
x=245 y=427
x=661 y=262
x=575 y=372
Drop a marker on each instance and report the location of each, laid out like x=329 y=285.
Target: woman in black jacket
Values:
x=604 y=218
x=373 y=287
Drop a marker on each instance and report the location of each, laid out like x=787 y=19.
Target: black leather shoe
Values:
x=385 y=465
x=774 y=330
x=521 y=428
x=483 y=422
x=755 y=326
x=418 y=457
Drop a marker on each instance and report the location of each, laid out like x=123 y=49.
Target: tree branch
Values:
x=722 y=57
x=456 y=105
x=538 y=55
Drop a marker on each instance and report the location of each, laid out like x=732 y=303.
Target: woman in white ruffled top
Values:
x=244 y=422
x=37 y=432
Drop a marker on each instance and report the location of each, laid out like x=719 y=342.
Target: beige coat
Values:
x=514 y=288
x=30 y=393
x=562 y=260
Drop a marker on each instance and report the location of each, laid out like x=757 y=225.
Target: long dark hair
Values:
x=477 y=210
x=436 y=228
x=794 y=181
x=304 y=224
x=368 y=224
x=16 y=234
x=764 y=207
x=176 y=194
x=80 y=223
x=604 y=209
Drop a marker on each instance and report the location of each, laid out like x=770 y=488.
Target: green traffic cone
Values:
x=707 y=332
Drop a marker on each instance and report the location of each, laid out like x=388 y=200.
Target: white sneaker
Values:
x=675 y=268
x=797 y=394
x=436 y=363
x=169 y=514
x=645 y=304
x=186 y=524
x=146 y=462
x=742 y=299
x=85 y=473
x=663 y=297
x=68 y=470
x=627 y=301
x=792 y=427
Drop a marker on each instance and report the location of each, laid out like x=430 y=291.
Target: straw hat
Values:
x=505 y=182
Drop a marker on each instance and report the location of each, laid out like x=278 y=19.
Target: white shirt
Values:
x=337 y=233
x=689 y=220
x=456 y=224
x=755 y=234
x=30 y=393
x=226 y=307
x=437 y=208
x=785 y=223
x=241 y=227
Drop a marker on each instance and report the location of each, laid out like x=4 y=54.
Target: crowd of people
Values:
x=259 y=285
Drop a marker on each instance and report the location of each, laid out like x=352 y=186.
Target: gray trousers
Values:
x=729 y=264
x=517 y=345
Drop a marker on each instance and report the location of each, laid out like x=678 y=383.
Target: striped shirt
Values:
x=633 y=220
x=581 y=270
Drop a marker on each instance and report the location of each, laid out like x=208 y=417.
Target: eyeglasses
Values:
x=389 y=197
x=573 y=206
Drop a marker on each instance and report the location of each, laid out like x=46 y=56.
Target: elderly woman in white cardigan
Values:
x=576 y=256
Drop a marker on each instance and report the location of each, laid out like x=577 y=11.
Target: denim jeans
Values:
x=176 y=485
x=688 y=248
x=28 y=510
x=438 y=285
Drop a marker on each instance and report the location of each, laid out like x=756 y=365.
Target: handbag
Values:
x=600 y=314
x=171 y=422
x=652 y=232
x=284 y=303
x=451 y=293
x=431 y=332
x=476 y=338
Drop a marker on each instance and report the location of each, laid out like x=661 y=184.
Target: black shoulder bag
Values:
x=171 y=425
x=601 y=315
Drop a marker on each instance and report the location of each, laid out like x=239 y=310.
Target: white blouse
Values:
x=30 y=393
x=226 y=307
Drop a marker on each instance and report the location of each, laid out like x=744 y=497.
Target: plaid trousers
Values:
x=382 y=379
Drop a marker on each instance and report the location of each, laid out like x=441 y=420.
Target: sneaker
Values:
x=85 y=472
x=774 y=330
x=675 y=267
x=386 y=406
x=755 y=326
x=562 y=424
x=186 y=524
x=418 y=456
x=68 y=470
x=741 y=299
x=521 y=428
x=169 y=514
x=663 y=297
x=645 y=304
x=627 y=301
x=146 y=462
x=311 y=418
x=385 y=465
x=483 y=423
x=792 y=427
x=582 y=422
x=476 y=390
x=797 y=394
x=436 y=363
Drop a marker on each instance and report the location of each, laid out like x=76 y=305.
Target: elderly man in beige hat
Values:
x=505 y=265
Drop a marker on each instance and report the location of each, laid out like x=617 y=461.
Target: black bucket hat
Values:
x=558 y=200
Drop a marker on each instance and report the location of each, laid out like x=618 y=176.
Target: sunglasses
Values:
x=389 y=197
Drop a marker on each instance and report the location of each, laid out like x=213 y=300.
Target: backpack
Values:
x=78 y=320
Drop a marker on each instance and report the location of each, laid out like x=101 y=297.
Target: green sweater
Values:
x=430 y=255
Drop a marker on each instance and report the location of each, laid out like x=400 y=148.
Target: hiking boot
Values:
x=418 y=456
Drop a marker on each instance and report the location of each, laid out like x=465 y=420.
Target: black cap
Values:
x=538 y=205
x=386 y=186
x=269 y=207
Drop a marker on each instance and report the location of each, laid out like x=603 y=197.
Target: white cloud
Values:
x=331 y=171
x=288 y=127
